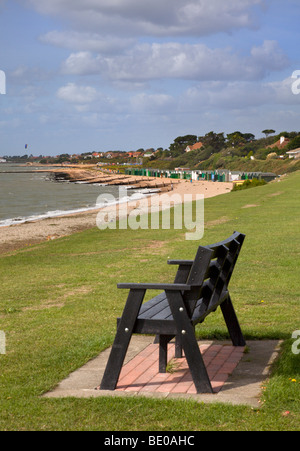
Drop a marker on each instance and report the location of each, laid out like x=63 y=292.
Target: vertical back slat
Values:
x=212 y=283
x=196 y=278
x=199 y=267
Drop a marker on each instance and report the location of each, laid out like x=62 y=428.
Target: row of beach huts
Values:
x=220 y=175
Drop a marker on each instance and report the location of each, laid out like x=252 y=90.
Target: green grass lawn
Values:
x=59 y=303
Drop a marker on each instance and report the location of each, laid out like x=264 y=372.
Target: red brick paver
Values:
x=141 y=373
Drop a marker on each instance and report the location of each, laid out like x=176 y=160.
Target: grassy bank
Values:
x=59 y=301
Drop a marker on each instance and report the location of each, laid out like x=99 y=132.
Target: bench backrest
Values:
x=196 y=277
x=232 y=247
x=210 y=274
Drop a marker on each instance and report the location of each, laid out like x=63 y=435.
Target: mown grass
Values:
x=59 y=301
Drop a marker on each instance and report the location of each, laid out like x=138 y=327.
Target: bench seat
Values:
x=156 y=315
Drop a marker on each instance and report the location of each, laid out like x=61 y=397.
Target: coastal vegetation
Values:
x=249 y=184
x=235 y=151
x=59 y=304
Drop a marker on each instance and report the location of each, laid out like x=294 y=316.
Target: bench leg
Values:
x=232 y=323
x=122 y=339
x=189 y=342
x=163 y=352
x=178 y=347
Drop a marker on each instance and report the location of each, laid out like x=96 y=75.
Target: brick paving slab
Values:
x=139 y=373
x=236 y=376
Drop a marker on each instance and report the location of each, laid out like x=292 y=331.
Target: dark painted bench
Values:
x=200 y=286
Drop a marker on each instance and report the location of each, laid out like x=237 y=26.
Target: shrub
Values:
x=249 y=184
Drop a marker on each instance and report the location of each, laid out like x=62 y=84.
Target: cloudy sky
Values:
x=99 y=75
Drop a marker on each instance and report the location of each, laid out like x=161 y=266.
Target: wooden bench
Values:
x=200 y=286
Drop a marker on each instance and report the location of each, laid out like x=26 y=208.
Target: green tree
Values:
x=63 y=157
x=268 y=132
x=214 y=140
x=249 y=137
x=236 y=139
x=294 y=143
x=180 y=143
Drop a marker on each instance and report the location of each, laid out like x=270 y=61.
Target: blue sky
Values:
x=99 y=75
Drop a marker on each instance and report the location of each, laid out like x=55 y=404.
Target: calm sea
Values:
x=27 y=195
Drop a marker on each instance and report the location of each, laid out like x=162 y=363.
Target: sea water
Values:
x=27 y=196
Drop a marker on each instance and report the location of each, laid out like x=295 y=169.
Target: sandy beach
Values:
x=22 y=235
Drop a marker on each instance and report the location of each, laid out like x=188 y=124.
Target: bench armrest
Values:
x=156 y=286
x=181 y=262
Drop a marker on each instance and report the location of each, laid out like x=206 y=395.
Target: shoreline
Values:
x=19 y=236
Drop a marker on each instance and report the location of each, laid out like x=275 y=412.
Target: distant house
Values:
x=294 y=154
x=148 y=154
x=196 y=146
x=280 y=144
x=135 y=154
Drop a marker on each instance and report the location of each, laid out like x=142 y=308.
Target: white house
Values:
x=294 y=154
x=194 y=147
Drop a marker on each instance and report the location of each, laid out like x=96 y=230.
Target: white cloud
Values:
x=159 y=18
x=73 y=93
x=85 y=41
x=82 y=63
x=87 y=99
x=282 y=92
x=149 y=103
x=238 y=95
x=24 y=75
x=179 y=61
x=218 y=15
x=269 y=55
